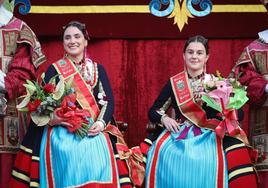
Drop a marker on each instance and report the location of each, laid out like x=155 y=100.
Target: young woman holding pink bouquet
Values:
x=203 y=146
x=70 y=141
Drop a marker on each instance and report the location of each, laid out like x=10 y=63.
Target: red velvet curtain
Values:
x=138 y=69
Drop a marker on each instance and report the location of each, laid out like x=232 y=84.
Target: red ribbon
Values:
x=229 y=123
x=253 y=154
x=68 y=114
x=134 y=159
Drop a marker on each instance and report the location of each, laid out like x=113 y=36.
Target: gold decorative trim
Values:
x=116 y=156
x=21 y=176
x=125 y=180
x=144 y=160
x=27 y=150
x=240 y=171
x=35 y=158
x=34 y=184
x=148 y=141
x=234 y=147
x=89 y=9
x=238 y=8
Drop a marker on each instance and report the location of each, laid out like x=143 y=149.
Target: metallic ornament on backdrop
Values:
x=24 y=5
x=180 y=10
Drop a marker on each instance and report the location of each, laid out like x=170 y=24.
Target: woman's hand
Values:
x=171 y=124
x=96 y=128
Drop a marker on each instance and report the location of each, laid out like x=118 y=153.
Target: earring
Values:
x=205 y=68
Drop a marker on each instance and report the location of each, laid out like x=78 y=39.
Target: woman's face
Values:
x=195 y=57
x=74 y=42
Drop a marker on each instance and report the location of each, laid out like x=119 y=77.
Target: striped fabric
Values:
x=25 y=173
x=240 y=169
x=124 y=179
x=241 y=172
x=187 y=162
x=26 y=170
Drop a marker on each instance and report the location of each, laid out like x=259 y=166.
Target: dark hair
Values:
x=197 y=38
x=265 y=3
x=78 y=25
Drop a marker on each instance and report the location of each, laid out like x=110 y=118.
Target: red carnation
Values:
x=32 y=106
x=49 y=88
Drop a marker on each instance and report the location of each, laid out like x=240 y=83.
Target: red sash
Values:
x=192 y=111
x=188 y=107
x=84 y=96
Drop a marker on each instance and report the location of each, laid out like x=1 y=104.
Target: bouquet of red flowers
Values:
x=225 y=96
x=55 y=104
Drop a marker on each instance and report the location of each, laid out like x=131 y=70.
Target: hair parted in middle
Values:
x=197 y=38
x=78 y=25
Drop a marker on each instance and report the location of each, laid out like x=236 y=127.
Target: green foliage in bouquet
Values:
x=224 y=93
x=53 y=104
x=42 y=99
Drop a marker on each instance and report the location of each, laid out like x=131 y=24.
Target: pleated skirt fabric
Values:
x=191 y=162
x=68 y=161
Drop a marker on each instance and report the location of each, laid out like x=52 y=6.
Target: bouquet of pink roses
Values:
x=54 y=104
x=225 y=96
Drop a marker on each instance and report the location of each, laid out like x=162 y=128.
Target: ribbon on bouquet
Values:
x=134 y=159
x=72 y=117
x=229 y=123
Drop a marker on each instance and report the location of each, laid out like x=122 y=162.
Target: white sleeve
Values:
x=266 y=88
x=101 y=123
x=2 y=79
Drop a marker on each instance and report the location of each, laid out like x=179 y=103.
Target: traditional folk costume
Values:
x=20 y=56
x=51 y=156
x=252 y=71
x=195 y=156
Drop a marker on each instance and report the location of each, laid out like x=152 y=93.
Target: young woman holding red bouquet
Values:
x=52 y=155
x=196 y=149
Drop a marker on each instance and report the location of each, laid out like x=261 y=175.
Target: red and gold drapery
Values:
x=132 y=19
